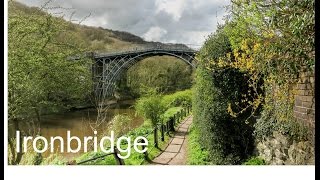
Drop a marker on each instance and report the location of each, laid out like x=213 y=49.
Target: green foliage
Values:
x=227 y=139
x=125 y=36
x=274 y=41
x=215 y=47
x=264 y=127
x=171 y=112
x=285 y=28
x=158 y=108
x=121 y=124
x=197 y=155
x=252 y=60
x=37 y=159
x=180 y=98
x=166 y=73
x=135 y=158
x=109 y=160
x=267 y=124
x=146 y=128
x=40 y=76
x=151 y=108
x=54 y=159
x=255 y=161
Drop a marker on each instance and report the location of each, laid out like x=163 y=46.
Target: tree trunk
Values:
x=16 y=156
x=38 y=158
x=38 y=120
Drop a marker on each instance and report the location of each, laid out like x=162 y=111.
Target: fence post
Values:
x=143 y=147
x=167 y=127
x=119 y=161
x=155 y=136
x=173 y=121
x=178 y=116
x=171 y=124
x=162 y=132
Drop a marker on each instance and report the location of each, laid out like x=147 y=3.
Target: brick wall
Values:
x=304 y=105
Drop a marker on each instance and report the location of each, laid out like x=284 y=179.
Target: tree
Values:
x=150 y=107
x=228 y=139
x=167 y=73
x=40 y=76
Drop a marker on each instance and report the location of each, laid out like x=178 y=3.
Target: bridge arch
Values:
x=108 y=67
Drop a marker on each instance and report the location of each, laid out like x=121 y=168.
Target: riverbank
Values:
x=122 y=118
x=111 y=103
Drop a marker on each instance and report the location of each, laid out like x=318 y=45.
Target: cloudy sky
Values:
x=170 y=21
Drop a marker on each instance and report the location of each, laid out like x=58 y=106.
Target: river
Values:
x=78 y=123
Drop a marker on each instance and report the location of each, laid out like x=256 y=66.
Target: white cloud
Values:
x=172 y=7
x=178 y=21
x=154 y=34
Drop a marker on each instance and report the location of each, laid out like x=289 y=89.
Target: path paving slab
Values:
x=186 y=126
x=176 y=152
x=177 y=141
x=182 y=130
x=165 y=157
x=173 y=148
x=178 y=159
x=179 y=136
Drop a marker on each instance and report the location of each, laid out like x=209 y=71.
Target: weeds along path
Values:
x=176 y=152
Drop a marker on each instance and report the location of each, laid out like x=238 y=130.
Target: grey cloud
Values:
x=198 y=18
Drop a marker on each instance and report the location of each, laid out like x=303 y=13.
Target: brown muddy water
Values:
x=78 y=123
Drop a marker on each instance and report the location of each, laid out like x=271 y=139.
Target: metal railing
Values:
x=141 y=49
x=138 y=49
x=165 y=129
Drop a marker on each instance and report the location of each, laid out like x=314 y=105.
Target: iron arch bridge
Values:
x=107 y=68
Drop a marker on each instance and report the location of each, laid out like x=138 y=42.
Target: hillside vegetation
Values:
x=41 y=80
x=155 y=72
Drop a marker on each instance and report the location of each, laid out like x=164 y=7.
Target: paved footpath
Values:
x=176 y=152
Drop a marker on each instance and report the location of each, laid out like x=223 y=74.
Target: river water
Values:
x=78 y=123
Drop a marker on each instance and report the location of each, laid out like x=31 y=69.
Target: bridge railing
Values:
x=163 y=128
x=138 y=49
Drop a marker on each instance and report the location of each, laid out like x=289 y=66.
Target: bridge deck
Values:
x=145 y=50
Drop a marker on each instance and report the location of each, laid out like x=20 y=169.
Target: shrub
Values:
x=228 y=139
x=121 y=124
x=197 y=155
x=151 y=108
x=267 y=124
x=180 y=98
x=255 y=161
x=171 y=112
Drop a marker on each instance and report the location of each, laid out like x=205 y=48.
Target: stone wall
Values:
x=304 y=106
x=280 y=150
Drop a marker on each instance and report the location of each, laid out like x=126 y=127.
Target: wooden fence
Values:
x=165 y=128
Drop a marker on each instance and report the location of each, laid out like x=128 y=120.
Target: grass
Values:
x=170 y=112
x=136 y=158
x=255 y=161
x=196 y=154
